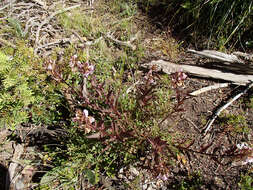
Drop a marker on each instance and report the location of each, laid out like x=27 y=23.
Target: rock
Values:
x=144 y=186
x=134 y=171
x=150 y=188
x=120 y=176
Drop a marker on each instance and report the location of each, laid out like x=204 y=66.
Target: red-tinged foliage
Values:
x=99 y=113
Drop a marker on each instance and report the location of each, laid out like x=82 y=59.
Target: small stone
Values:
x=159 y=183
x=134 y=171
x=144 y=186
x=131 y=177
x=121 y=170
x=120 y=176
x=151 y=188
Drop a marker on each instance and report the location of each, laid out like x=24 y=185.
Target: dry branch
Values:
x=216 y=55
x=41 y=3
x=2 y=41
x=169 y=68
x=123 y=43
x=217 y=113
x=48 y=45
x=19 y=149
x=90 y=43
x=51 y=17
x=208 y=88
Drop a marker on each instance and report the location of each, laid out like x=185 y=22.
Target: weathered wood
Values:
x=244 y=56
x=208 y=88
x=170 y=68
x=217 y=113
x=216 y=55
x=13 y=175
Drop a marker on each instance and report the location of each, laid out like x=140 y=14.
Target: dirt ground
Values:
x=212 y=157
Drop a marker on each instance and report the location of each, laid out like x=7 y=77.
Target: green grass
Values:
x=224 y=23
x=236 y=123
x=246 y=182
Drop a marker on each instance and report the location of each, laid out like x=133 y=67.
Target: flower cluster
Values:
x=85 y=121
x=150 y=77
x=245 y=154
x=85 y=68
x=163 y=177
x=178 y=78
x=54 y=70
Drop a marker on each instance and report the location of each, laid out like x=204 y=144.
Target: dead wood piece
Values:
x=54 y=43
x=170 y=68
x=131 y=88
x=19 y=149
x=51 y=17
x=193 y=124
x=123 y=43
x=94 y=136
x=2 y=41
x=217 y=113
x=41 y=3
x=245 y=56
x=208 y=88
x=78 y=36
x=216 y=55
x=90 y=43
x=4 y=7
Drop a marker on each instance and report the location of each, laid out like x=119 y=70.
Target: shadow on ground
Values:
x=4 y=178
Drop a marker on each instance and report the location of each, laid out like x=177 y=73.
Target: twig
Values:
x=123 y=43
x=61 y=41
x=41 y=3
x=208 y=88
x=28 y=25
x=193 y=124
x=4 y=7
x=217 y=113
x=90 y=43
x=7 y=43
x=78 y=36
x=50 y=17
x=94 y=136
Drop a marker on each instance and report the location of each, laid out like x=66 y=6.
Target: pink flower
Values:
x=85 y=68
x=163 y=177
x=90 y=71
x=89 y=118
x=178 y=78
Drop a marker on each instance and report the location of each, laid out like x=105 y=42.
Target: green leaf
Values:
x=4 y=65
x=17 y=26
x=91 y=176
x=187 y=5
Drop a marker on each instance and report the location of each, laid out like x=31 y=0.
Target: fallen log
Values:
x=169 y=68
x=216 y=55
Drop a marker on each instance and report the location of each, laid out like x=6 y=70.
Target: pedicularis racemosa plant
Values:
x=113 y=115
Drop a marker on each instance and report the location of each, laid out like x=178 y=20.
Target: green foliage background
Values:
x=25 y=93
x=224 y=22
